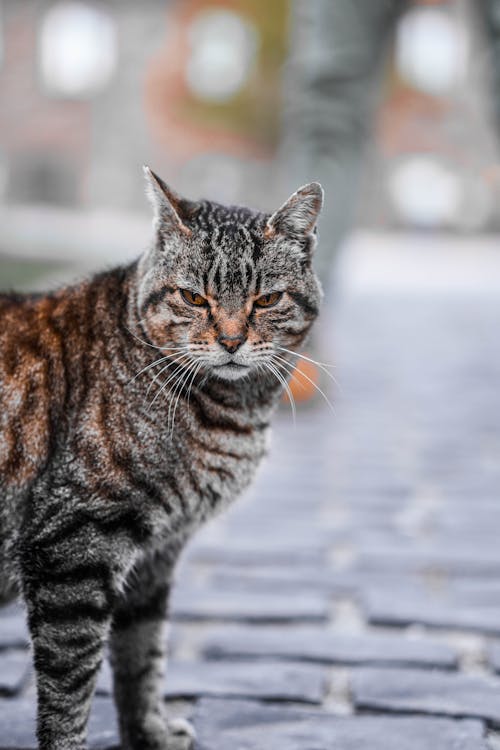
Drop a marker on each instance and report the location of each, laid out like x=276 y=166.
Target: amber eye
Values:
x=192 y=298
x=268 y=300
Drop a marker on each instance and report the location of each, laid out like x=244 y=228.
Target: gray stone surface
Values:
x=455 y=559
x=414 y=691
x=15 y=668
x=17 y=723
x=268 y=551
x=13 y=630
x=227 y=725
x=211 y=603
x=398 y=607
x=270 y=681
x=319 y=645
x=494 y=656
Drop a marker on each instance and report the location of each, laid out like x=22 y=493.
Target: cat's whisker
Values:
x=201 y=363
x=322 y=366
x=194 y=372
x=172 y=361
x=176 y=394
x=163 y=386
x=266 y=365
x=293 y=372
x=148 y=367
x=148 y=343
x=283 y=381
x=303 y=356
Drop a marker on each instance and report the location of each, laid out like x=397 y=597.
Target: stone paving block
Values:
x=269 y=681
x=17 y=723
x=103 y=726
x=13 y=630
x=227 y=725
x=327 y=647
x=494 y=656
x=216 y=604
x=272 y=551
x=437 y=693
x=451 y=559
x=476 y=592
x=397 y=608
x=299 y=580
x=15 y=668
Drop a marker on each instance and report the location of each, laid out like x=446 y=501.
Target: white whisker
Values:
x=176 y=393
x=322 y=366
x=283 y=381
x=294 y=372
x=171 y=377
x=172 y=361
x=153 y=346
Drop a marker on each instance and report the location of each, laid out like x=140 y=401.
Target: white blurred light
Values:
x=425 y=193
x=223 y=47
x=77 y=49
x=431 y=50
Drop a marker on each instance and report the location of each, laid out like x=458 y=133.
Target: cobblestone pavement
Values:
x=352 y=599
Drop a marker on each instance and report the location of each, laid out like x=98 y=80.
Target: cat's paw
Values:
x=181 y=735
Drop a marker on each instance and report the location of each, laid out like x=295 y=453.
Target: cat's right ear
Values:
x=170 y=210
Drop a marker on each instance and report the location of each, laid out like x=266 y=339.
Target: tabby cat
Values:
x=132 y=407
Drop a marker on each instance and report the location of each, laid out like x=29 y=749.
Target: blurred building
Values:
x=92 y=89
x=415 y=81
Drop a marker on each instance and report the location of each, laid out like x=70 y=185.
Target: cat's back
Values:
x=30 y=365
x=51 y=356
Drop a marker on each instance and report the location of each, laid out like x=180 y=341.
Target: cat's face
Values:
x=227 y=290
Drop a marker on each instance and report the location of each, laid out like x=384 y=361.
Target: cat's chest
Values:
x=207 y=469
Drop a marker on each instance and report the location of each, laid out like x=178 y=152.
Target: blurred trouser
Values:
x=332 y=85
x=489 y=11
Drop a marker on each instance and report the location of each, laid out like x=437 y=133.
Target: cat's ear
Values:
x=170 y=210
x=297 y=217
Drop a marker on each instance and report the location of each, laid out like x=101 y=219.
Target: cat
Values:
x=135 y=405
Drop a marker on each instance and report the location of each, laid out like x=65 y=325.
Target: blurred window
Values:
x=77 y=49
x=431 y=50
x=1 y=34
x=42 y=178
x=223 y=48
x=425 y=193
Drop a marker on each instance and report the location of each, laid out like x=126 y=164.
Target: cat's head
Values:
x=229 y=288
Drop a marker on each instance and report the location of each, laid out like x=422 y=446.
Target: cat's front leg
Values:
x=138 y=655
x=72 y=570
x=69 y=613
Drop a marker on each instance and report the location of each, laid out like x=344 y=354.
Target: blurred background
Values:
x=371 y=536
x=389 y=104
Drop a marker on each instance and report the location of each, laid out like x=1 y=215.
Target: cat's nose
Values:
x=231 y=343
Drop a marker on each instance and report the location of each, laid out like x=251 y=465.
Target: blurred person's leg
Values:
x=332 y=85
x=489 y=12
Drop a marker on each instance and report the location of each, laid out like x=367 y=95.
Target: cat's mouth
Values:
x=231 y=370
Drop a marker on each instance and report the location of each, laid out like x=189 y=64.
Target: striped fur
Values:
x=109 y=462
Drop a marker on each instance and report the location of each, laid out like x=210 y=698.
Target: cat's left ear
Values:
x=297 y=217
x=170 y=210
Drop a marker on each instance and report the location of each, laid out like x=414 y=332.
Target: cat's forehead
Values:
x=229 y=242
x=232 y=220
x=228 y=254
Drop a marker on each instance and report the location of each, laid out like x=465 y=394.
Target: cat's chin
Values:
x=231 y=371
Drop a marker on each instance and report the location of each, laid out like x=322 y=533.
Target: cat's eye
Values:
x=193 y=298
x=268 y=300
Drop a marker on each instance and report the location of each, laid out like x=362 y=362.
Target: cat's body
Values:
x=107 y=464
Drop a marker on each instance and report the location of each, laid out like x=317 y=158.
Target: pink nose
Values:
x=231 y=343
